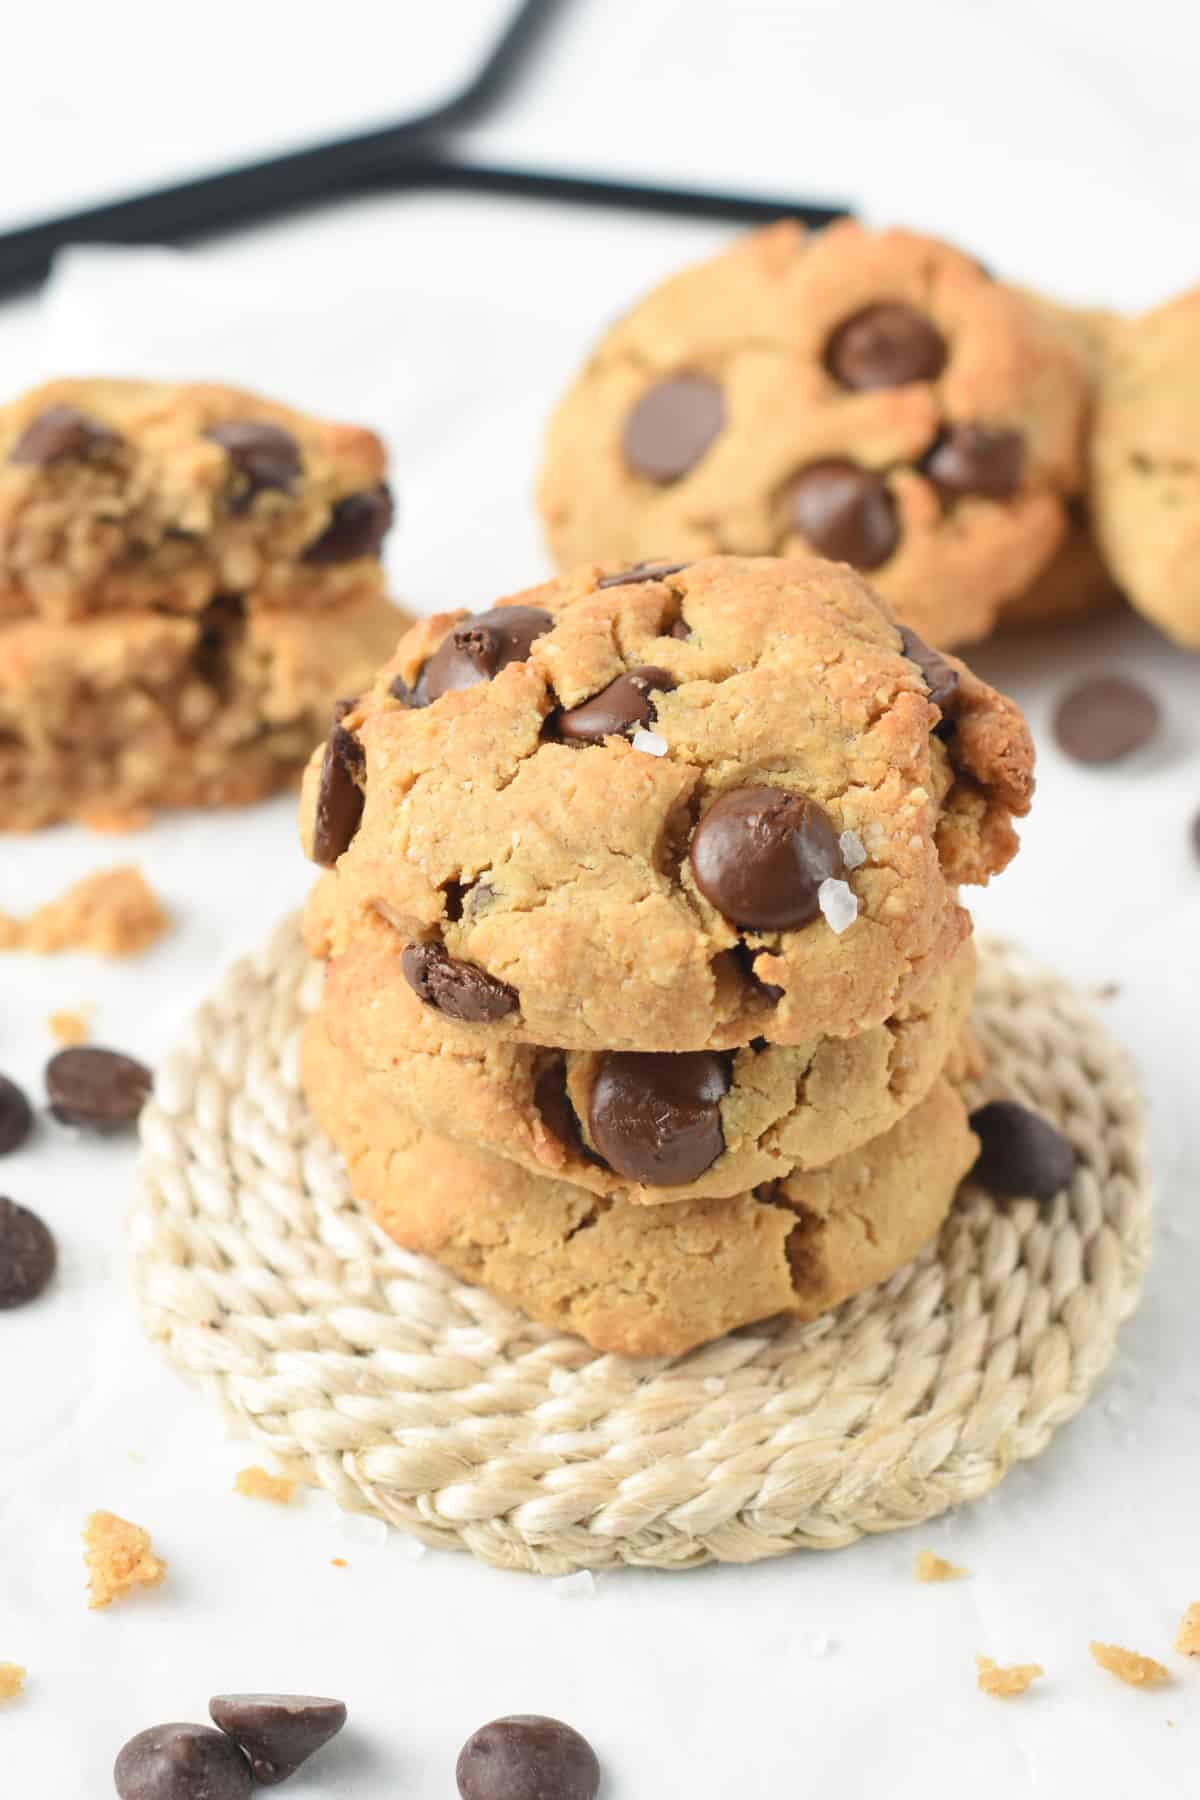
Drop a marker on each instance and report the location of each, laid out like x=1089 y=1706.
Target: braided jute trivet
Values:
x=413 y=1396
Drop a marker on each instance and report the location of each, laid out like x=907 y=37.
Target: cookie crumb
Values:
x=70 y=1027
x=12 y=1680
x=838 y=903
x=338 y=1562
x=1128 y=1666
x=1188 y=1640
x=113 y=912
x=260 y=1484
x=650 y=743
x=931 y=1567
x=119 y=1557
x=1006 y=1684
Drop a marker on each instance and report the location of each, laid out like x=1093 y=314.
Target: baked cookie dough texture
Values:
x=645 y=959
x=873 y=397
x=189 y=577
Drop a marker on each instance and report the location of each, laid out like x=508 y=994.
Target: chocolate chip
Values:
x=619 y=709
x=58 y=433
x=182 y=1762
x=278 y=1732
x=27 y=1255
x=846 y=512
x=479 y=648
x=101 y=1090
x=643 y=571
x=976 y=459
x=339 y=797
x=459 y=990
x=526 y=1757
x=885 y=346
x=1021 y=1153
x=1105 y=719
x=553 y=1104
x=357 y=527
x=656 y=1117
x=265 y=455
x=16 y=1116
x=941 y=679
x=672 y=426
x=759 y=854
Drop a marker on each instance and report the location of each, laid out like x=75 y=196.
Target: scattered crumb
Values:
x=1128 y=1666
x=1188 y=1641
x=113 y=912
x=1108 y=990
x=259 y=1484
x=12 y=1680
x=931 y=1567
x=579 y=1586
x=70 y=1027
x=1006 y=1684
x=119 y=1557
x=338 y=1562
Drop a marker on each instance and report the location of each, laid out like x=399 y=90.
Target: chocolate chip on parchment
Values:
x=941 y=679
x=478 y=648
x=59 y=433
x=27 y=1255
x=527 y=1757
x=182 y=1762
x=339 y=797
x=1106 y=718
x=357 y=527
x=266 y=455
x=760 y=854
x=656 y=1117
x=976 y=459
x=672 y=426
x=460 y=990
x=101 y=1090
x=617 y=710
x=277 y=1732
x=643 y=571
x=1021 y=1153
x=885 y=346
x=845 y=511
x=16 y=1116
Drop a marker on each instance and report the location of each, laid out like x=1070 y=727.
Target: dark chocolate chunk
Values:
x=277 y=1732
x=656 y=1117
x=265 y=455
x=1021 y=1154
x=885 y=346
x=976 y=459
x=643 y=571
x=342 y=707
x=526 y=1757
x=357 y=527
x=101 y=1090
x=16 y=1116
x=479 y=648
x=617 y=710
x=941 y=679
x=845 y=511
x=760 y=854
x=27 y=1255
x=672 y=426
x=182 y=1762
x=460 y=990
x=339 y=797
x=1105 y=719
x=59 y=433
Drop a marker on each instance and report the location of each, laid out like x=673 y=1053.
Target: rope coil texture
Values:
x=412 y=1396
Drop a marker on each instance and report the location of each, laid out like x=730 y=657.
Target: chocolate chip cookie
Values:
x=760 y=833
x=644 y=1280
x=634 y=1126
x=873 y=397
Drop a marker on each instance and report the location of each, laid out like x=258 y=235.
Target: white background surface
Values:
x=1060 y=143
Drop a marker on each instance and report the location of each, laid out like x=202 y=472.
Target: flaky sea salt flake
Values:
x=851 y=846
x=649 y=743
x=838 y=904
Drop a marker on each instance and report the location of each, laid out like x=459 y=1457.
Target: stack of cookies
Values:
x=189 y=578
x=646 y=971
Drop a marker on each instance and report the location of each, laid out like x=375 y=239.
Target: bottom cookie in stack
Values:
x=644 y=1280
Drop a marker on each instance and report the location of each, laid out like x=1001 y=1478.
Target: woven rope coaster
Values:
x=410 y=1395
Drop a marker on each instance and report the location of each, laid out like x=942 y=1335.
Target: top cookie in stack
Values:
x=189 y=576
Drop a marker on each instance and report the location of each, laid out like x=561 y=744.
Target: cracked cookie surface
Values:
x=671 y=887
x=644 y=1280
x=875 y=397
